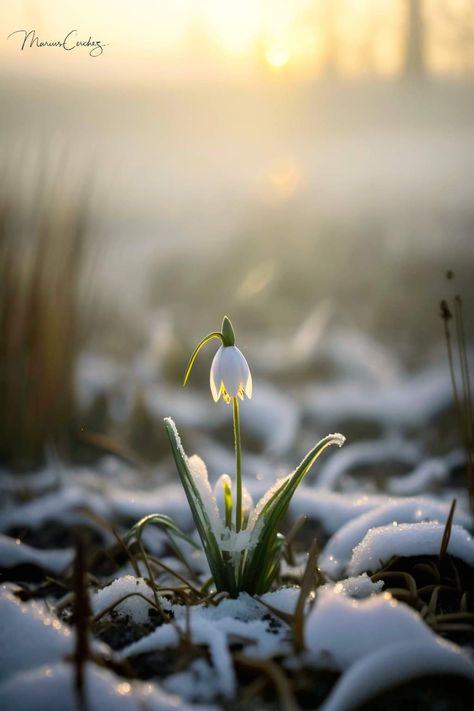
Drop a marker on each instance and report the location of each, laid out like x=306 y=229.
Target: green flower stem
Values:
x=238 y=465
x=227 y=504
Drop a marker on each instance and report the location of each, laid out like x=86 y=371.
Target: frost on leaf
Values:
x=199 y=473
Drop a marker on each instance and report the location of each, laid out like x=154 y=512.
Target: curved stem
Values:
x=201 y=344
x=238 y=465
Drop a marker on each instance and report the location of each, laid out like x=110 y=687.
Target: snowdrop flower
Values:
x=241 y=541
x=230 y=375
x=231 y=378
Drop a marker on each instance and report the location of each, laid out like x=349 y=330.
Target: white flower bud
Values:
x=230 y=375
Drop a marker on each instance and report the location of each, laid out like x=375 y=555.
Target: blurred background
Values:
x=305 y=166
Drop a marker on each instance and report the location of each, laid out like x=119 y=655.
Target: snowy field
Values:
x=323 y=218
x=387 y=611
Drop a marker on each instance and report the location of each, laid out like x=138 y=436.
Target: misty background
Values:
x=302 y=166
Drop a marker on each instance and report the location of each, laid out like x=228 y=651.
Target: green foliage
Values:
x=249 y=560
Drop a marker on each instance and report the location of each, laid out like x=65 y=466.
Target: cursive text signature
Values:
x=70 y=42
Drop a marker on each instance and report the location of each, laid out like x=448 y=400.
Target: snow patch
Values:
x=358 y=587
x=52 y=687
x=411 y=402
x=340 y=630
x=338 y=551
x=29 y=635
x=330 y=508
x=134 y=605
x=408 y=539
x=396 y=664
x=215 y=627
x=64 y=506
x=370 y=452
x=429 y=472
x=13 y=552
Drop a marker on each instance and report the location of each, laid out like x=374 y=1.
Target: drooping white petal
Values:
x=216 y=375
x=245 y=375
x=248 y=387
x=230 y=374
x=231 y=370
x=243 y=365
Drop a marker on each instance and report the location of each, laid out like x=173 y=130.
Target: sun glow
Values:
x=277 y=56
x=233 y=26
x=163 y=39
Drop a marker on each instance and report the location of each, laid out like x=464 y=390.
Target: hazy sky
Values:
x=173 y=39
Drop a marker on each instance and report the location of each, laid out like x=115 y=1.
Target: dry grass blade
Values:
x=290 y=537
x=462 y=396
x=280 y=614
x=467 y=396
x=447 y=532
x=433 y=603
x=394 y=574
x=427 y=569
x=307 y=584
x=176 y=575
x=41 y=260
x=253 y=689
x=120 y=545
x=456 y=617
x=151 y=579
x=296 y=620
x=286 y=697
x=82 y=615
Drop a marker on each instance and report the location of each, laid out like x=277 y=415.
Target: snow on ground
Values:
x=331 y=508
x=13 y=552
x=340 y=630
x=338 y=551
x=410 y=402
x=30 y=634
x=127 y=595
x=214 y=627
x=350 y=626
x=64 y=505
x=33 y=646
x=358 y=587
x=391 y=449
x=435 y=470
x=408 y=539
x=395 y=664
x=52 y=687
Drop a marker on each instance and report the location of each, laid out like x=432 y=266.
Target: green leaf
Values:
x=256 y=573
x=198 y=510
x=159 y=520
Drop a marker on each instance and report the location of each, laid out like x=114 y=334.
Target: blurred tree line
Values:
x=426 y=32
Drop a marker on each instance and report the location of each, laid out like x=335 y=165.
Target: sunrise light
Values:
x=277 y=56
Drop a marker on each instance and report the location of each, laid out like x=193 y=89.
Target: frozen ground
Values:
x=393 y=610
